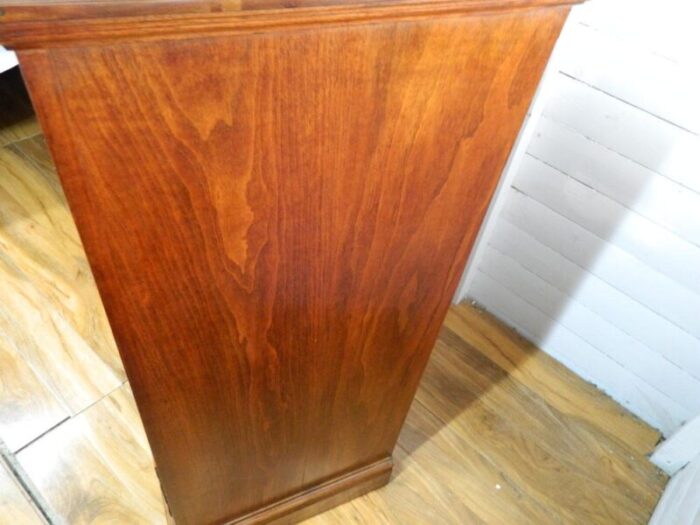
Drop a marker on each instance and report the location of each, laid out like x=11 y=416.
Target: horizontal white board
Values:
x=8 y=59
x=595 y=254
x=611 y=264
x=653 y=196
x=604 y=299
x=640 y=237
x=651 y=82
x=639 y=136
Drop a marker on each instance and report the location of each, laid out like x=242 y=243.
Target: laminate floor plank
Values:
x=36 y=151
x=15 y=507
x=94 y=468
x=560 y=465
x=576 y=442
x=551 y=380
x=454 y=463
x=54 y=330
x=27 y=407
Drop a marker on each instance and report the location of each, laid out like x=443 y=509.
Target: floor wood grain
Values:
x=56 y=348
x=498 y=433
x=96 y=467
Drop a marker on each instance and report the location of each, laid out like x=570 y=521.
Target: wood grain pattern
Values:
x=549 y=380
x=28 y=408
x=55 y=339
x=26 y=10
x=61 y=313
x=96 y=467
x=453 y=360
x=449 y=468
x=276 y=256
x=455 y=460
x=46 y=24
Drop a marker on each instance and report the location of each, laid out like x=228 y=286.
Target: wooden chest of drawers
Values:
x=277 y=201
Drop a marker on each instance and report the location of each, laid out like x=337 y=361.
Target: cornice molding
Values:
x=90 y=28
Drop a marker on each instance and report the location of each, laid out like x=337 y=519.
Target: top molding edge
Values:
x=27 y=24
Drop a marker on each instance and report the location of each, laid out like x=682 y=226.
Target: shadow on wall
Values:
x=596 y=251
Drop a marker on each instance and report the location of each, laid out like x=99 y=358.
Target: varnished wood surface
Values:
x=499 y=433
x=39 y=24
x=465 y=455
x=277 y=234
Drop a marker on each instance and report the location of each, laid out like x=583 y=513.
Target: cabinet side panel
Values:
x=277 y=223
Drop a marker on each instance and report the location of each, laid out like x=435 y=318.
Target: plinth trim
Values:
x=321 y=497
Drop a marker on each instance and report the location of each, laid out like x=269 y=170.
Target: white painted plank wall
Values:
x=594 y=252
x=677 y=451
x=680 y=504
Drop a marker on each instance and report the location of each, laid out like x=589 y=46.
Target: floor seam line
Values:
x=29 y=490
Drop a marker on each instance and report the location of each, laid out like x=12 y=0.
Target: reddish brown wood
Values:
x=277 y=222
x=55 y=10
x=32 y=24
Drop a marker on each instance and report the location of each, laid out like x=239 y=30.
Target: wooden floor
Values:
x=499 y=432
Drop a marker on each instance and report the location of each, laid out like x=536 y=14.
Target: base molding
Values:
x=321 y=497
